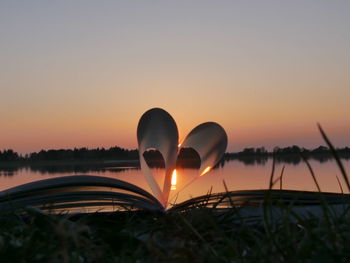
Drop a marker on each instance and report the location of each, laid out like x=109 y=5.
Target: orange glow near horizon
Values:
x=64 y=89
x=25 y=137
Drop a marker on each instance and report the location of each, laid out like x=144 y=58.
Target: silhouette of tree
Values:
x=9 y=156
x=188 y=157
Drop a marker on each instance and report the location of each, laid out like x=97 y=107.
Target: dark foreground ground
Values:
x=194 y=235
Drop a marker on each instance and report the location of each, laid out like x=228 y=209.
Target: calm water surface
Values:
x=237 y=176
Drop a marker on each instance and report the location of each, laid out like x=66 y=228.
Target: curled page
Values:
x=158 y=130
x=209 y=140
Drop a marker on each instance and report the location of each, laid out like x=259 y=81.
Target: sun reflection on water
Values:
x=174 y=180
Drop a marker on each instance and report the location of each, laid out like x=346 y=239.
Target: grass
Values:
x=197 y=235
x=200 y=234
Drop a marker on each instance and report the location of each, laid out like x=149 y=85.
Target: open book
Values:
x=156 y=130
x=84 y=193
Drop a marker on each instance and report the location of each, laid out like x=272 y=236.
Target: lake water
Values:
x=237 y=176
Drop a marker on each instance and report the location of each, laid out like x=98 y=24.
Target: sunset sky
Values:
x=81 y=73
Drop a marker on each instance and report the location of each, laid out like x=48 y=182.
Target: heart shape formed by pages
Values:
x=157 y=130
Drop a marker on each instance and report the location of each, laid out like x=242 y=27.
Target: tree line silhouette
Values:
x=80 y=154
x=291 y=154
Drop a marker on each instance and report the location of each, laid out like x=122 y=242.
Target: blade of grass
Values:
x=336 y=156
x=206 y=201
x=275 y=181
x=272 y=172
x=267 y=197
x=311 y=172
x=281 y=177
x=228 y=193
x=341 y=188
x=327 y=209
x=233 y=206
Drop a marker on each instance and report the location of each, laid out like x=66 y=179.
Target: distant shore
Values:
x=85 y=158
x=134 y=163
